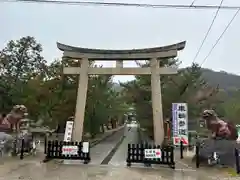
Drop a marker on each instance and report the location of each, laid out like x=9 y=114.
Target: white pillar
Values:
x=156 y=102
x=81 y=101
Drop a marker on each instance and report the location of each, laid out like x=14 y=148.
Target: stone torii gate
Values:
x=151 y=54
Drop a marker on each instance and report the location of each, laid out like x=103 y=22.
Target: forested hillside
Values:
x=225 y=80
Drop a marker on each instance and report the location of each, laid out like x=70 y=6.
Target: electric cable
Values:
x=98 y=3
x=193 y=2
x=179 y=6
x=208 y=31
x=220 y=37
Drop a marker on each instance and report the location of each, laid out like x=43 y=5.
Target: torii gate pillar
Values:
x=156 y=102
x=81 y=101
x=151 y=54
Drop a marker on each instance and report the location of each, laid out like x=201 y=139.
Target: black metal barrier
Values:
x=136 y=154
x=54 y=150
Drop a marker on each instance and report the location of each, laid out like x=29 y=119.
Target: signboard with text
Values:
x=68 y=131
x=180 y=123
x=70 y=150
x=152 y=153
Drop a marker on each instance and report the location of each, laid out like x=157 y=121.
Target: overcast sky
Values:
x=126 y=28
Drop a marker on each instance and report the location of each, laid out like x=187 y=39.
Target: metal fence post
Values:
x=181 y=149
x=197 y=155
x=172 y=157
x=22 y=149
x=237 y=160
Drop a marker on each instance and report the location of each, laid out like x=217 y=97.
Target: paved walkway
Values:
x=119 y=158
x=180 y=164
x=101 y=150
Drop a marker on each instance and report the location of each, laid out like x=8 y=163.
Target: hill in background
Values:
x=225 y=80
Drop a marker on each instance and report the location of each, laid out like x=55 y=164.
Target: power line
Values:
x=178 y=6
x=97 y=3
x=193 y=2
x=209 y=29
x=220 y=37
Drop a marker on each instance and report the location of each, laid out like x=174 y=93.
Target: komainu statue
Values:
x=12 y=120
x=219 y=127
x=13 y=128
x=219 y=148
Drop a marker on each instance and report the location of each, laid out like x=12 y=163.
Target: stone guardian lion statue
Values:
x=219 y=127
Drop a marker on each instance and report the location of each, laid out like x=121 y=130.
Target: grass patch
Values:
x=232 y=172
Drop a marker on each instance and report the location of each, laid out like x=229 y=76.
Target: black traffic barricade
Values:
x=136 y=154
x=54 y=150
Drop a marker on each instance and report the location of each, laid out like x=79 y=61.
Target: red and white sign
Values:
x=177 y=140
x=152 y=153
x=70 y=150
